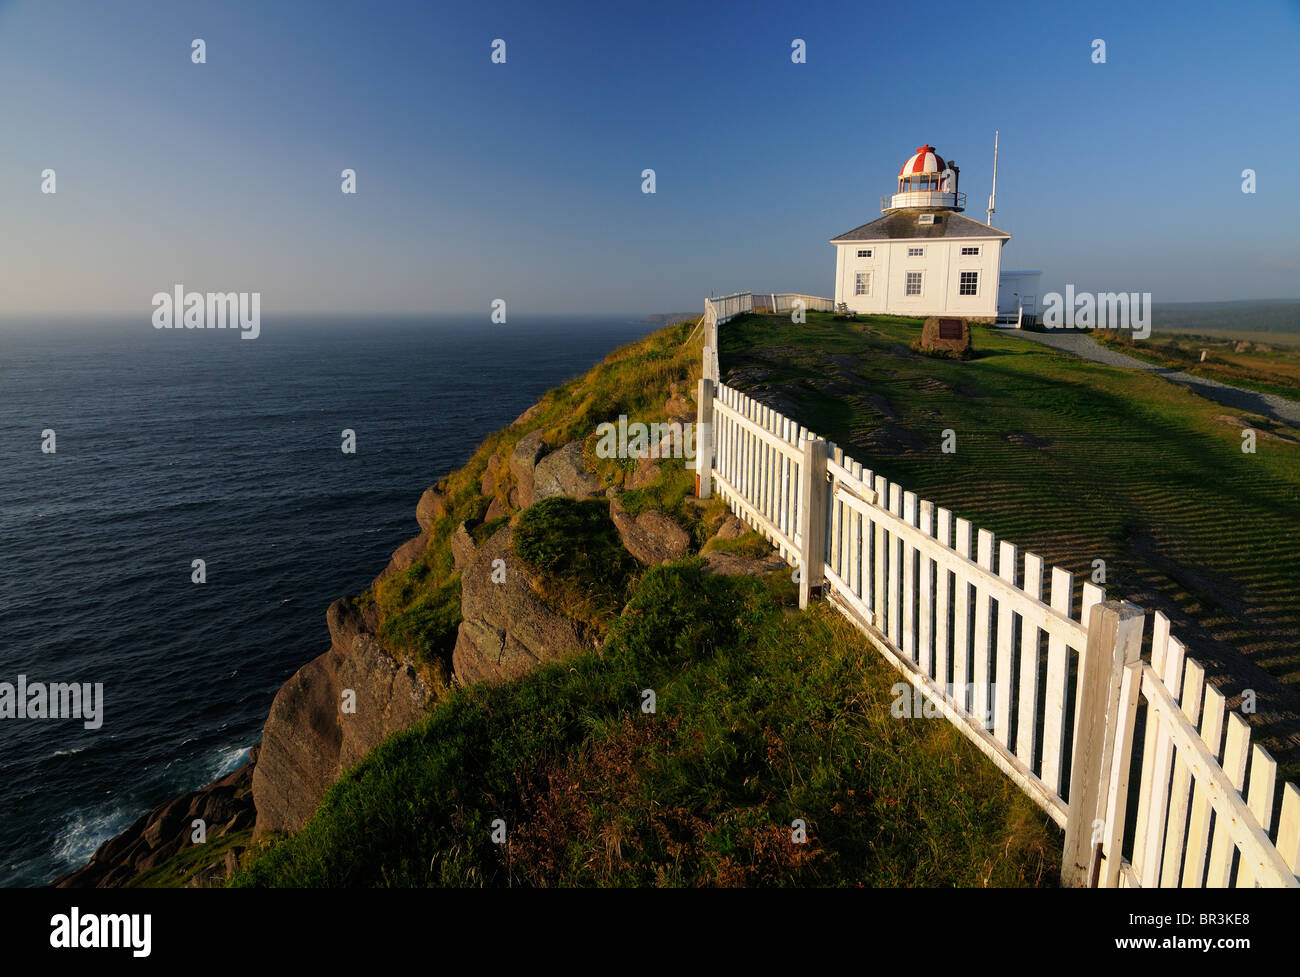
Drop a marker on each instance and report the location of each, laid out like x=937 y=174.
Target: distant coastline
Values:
x=1263 y=320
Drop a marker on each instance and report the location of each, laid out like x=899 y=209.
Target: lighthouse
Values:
x=926 y=184
x=923 y=256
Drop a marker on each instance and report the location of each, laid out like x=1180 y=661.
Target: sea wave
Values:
x=81 y=835
x=230 y=760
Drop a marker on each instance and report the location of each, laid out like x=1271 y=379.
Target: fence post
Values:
x=812 y=518
x=1114 y=642
x=704 y=438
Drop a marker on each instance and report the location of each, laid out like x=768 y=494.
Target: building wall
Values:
x=1015 y=290
x=940 y=267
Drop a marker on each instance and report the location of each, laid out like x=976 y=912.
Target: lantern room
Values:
x=926 y=182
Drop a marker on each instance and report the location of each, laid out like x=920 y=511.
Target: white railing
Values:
x=923 y=198
x=995 y=639
x=783 y=302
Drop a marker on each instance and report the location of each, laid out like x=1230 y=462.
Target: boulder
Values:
x=462 y=547
x=732 y=528
x=346 y=619
x=523 y=462
x=308 y=741
x=430 y=509
x=390 y=697
x=300 y=746
x=506 y=630
x=651 y=537
x=527 y=415
x=407 y=554
x=678 y=407
x=647 y=473
x=496 y=510
x=488 y=483
x=563 y=472
x=946 y=333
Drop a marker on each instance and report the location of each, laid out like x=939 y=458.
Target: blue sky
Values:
x=522 y=181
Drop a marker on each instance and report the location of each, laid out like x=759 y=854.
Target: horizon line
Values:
x=332 y=313
x=324 y=313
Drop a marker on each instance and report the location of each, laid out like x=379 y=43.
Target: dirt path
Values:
x=1083 y=345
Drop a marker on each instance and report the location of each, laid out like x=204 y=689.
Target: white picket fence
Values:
x=1051 y=690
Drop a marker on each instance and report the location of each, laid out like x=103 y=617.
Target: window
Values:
x=862 y=283
x=864 y=252
x=916 y=252
x=913 y=283
x=969 y=284
x=971 y=250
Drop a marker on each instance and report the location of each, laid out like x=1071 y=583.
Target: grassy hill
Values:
x=1077 y=462
x=763 y=716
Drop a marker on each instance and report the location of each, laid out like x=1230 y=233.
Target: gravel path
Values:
x=1081 y=344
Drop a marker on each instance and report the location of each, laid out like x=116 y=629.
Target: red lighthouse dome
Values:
x=926 y=182
x=924 y=160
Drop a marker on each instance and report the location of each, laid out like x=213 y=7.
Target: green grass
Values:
x=426 y=623
x=575 y=553
x=191 y=860
x=1073 y=460
x=673 y=494
x=749 y=545
x=762 y=717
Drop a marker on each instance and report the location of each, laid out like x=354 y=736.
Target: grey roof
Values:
x=902 y=225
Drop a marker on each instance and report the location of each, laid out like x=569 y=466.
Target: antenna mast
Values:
x=994 y=196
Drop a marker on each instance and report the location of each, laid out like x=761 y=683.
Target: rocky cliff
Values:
x=330 y=714
x=375 y=679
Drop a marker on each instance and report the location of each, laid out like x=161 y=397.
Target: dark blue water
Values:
x=178 y=445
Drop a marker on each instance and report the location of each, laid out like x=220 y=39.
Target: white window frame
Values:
x=961 y=284
x=916 y=252
x=970 y=251
x=864 y=252
x=920 y=284
x=858 y=282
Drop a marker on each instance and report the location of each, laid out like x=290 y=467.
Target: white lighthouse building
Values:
x=923 y=257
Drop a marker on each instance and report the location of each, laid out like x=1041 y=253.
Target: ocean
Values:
x=177 y=445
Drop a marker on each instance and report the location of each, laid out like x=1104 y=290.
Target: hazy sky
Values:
x=522 y=181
